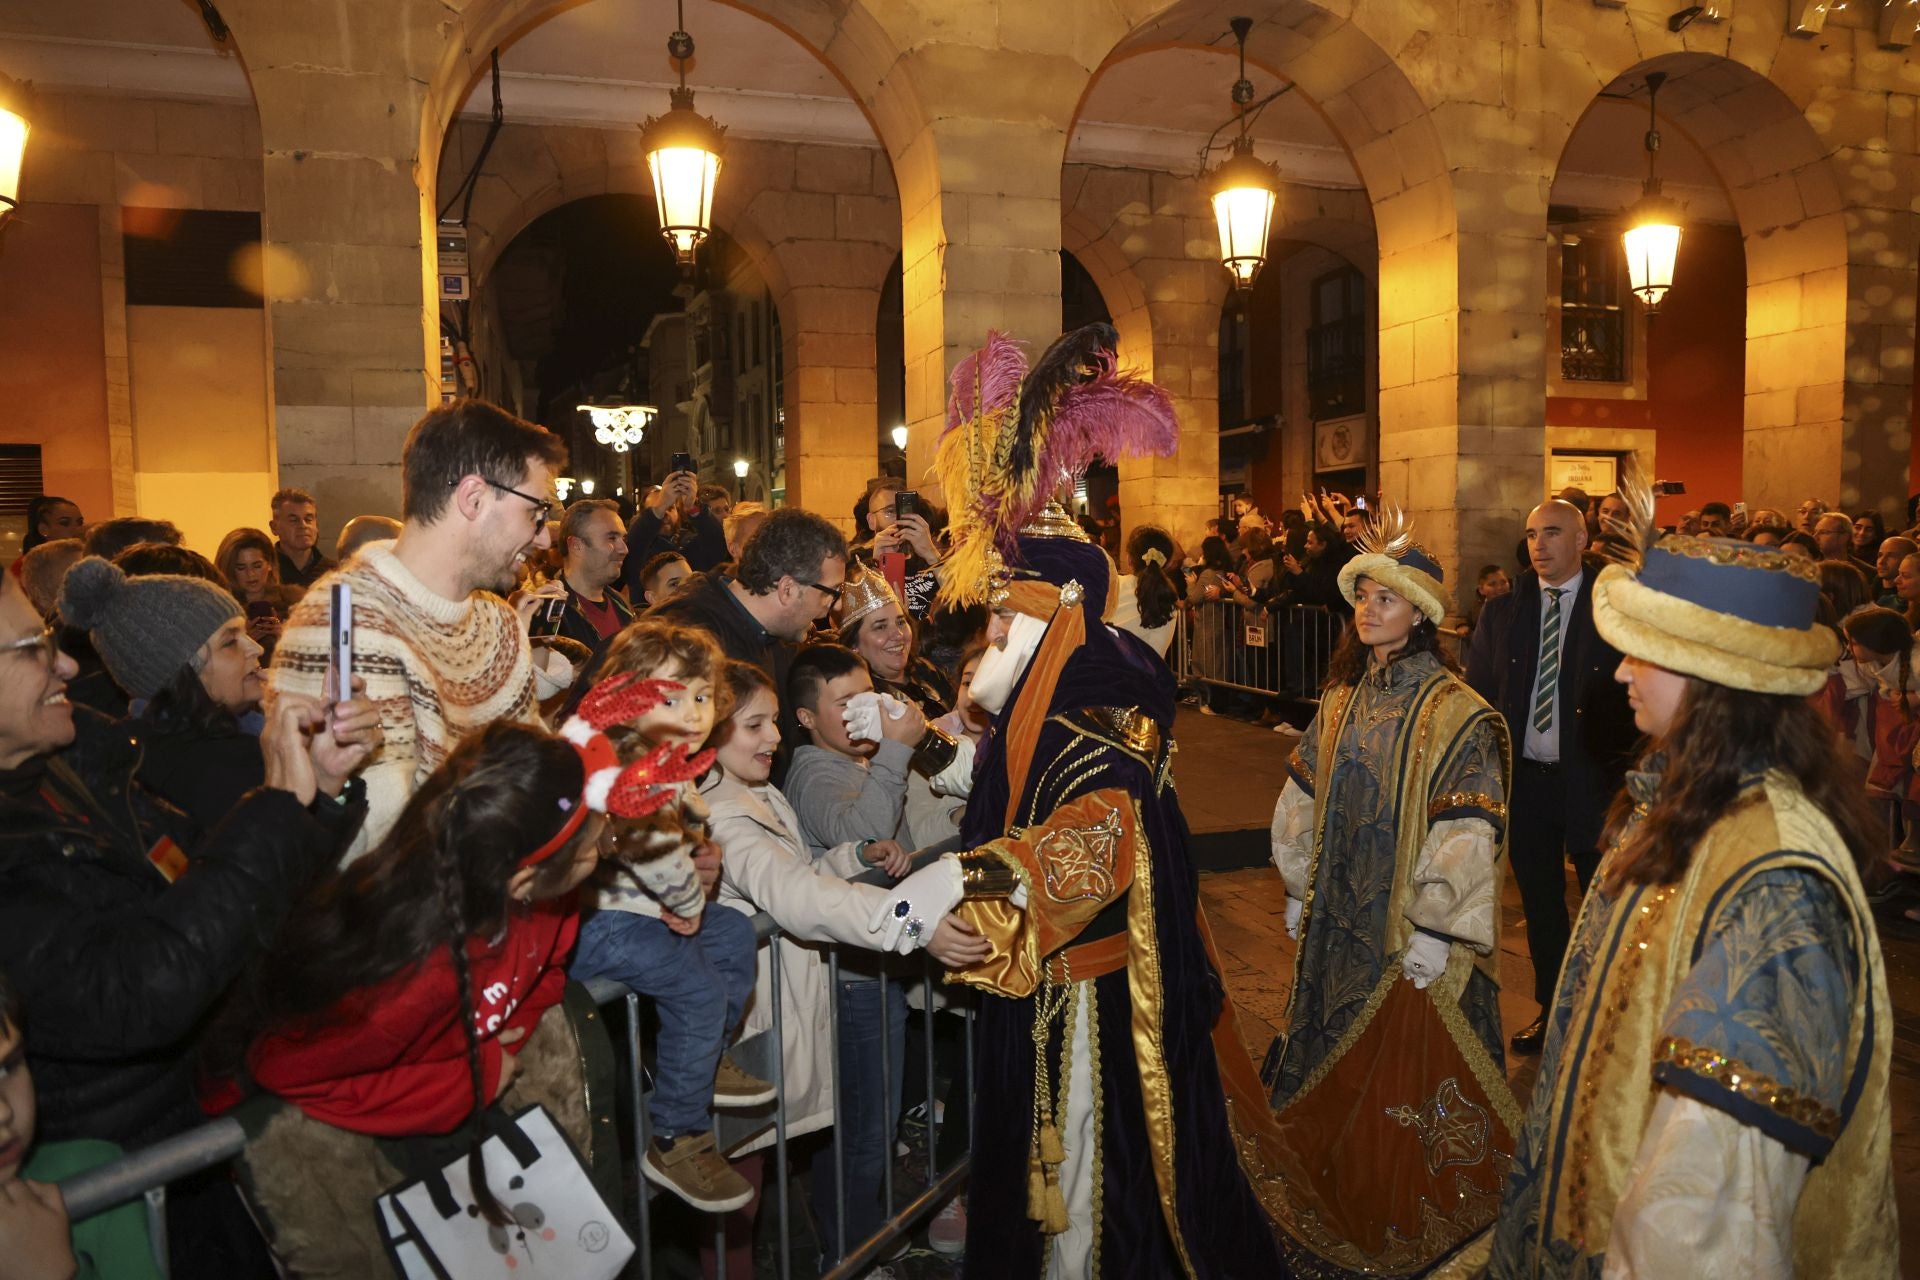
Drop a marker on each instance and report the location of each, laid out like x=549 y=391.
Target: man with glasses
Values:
x=788 y=577
x=439 y=649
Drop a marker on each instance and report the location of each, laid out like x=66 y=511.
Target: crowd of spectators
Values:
x=232 y=876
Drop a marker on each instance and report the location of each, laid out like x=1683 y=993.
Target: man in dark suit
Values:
x=1537 y=658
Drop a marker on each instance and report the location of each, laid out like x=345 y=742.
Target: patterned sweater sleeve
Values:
x=300 y=666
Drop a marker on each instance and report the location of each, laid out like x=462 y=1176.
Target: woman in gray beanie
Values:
x=180 y=649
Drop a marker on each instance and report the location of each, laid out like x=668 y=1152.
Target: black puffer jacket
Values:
x=118 y=968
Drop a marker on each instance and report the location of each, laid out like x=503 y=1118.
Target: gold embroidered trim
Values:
x=1466 y=800
x=1737 y=1078
x=1126 y=729
x=1745 y=557
x=1148 y=1029
x=1077 y=863
x=1299 y=766
x=1099 y=1121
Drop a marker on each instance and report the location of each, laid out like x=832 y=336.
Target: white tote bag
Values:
x=561 y=1227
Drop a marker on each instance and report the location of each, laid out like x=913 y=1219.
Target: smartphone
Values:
x=260 y=609
x=1740 y=510
x=680 y=462
x=1669 y=488
x=554 y=612
x=906 y=503
x=1360 y=504
x=340 y=645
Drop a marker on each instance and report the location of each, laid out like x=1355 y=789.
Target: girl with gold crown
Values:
x=1393 y=1122
x=1712 y=1099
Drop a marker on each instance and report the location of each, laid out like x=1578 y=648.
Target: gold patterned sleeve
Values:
x=1075 y=863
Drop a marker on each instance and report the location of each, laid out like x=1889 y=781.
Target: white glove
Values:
x=1425 y=959
x=1294 y=909
x=552 y=673
x=863 y=713
x=918 y=904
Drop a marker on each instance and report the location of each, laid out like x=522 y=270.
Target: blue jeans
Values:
x=868 y=1112
x=699 y=987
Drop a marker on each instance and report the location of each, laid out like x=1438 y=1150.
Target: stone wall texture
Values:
x=1455 y=114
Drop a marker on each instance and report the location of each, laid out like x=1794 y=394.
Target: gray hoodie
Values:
x=841 y=798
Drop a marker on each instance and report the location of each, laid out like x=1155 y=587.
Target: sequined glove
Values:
x=1295 y=908
x=917 y=906
x=1425 y=959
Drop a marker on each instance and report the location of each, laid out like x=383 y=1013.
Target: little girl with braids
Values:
x=399 y=1000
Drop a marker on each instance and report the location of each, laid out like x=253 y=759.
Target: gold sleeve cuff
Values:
x=982 y=875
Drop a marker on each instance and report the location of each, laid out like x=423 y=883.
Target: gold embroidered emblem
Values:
x=1078 y=861
x=1453 y=1128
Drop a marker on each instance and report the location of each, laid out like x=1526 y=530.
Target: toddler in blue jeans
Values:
x=645 y=925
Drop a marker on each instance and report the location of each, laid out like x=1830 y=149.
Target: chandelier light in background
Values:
x=740 y=468
x=683 y=155
x=14 y=127
x=1244 y=188
x=1652 y=237
x=900 y=438
x=620 y=425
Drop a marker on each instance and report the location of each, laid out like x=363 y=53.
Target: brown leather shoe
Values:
x=692 y=1169
x=1531 y=1037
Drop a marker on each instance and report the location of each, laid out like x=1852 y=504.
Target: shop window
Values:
x=1593 y=310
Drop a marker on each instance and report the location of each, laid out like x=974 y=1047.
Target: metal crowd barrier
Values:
x=1281 y=653
x=146 y=1173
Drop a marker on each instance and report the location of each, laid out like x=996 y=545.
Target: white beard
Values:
x=1000 y=668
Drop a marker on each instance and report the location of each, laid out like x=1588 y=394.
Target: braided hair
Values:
x=438 y=879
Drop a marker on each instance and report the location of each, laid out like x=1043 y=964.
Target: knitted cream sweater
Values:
x=438 y=669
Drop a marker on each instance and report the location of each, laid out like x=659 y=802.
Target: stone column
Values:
x=979 y=185
x=347 y=233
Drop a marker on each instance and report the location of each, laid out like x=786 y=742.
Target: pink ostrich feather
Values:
x=995 y=371
x=1113 y=415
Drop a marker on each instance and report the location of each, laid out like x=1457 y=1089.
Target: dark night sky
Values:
x=617 y=273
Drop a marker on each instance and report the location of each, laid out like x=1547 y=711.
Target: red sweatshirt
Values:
x=390 y=1059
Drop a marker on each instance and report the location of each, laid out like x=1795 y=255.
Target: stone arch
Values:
x=1825 y=409
x=843 y=34
x=1098 y=250
x=1404 y=237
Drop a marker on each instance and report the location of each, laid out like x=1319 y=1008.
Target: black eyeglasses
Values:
x=832 y=593
x=542 y=507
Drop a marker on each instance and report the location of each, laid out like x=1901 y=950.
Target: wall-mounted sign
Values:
x=1595 y=474
x=1340 y=443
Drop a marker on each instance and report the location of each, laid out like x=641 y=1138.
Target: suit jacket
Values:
x=1597 y=736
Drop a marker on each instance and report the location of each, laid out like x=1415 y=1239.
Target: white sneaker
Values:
x=947 y=1233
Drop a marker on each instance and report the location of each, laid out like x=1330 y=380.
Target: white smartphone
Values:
x=340 y=645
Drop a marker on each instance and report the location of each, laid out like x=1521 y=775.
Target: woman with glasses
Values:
x=118 y=955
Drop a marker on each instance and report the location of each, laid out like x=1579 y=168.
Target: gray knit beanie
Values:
x=146 y=628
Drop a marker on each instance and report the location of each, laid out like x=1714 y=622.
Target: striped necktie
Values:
x=1549 y=662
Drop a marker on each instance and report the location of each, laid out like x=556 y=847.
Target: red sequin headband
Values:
x=638 y=789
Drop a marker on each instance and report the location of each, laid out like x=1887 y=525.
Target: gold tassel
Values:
x=1056 y=1218
x=1052 y=1151
x=1036 y=1191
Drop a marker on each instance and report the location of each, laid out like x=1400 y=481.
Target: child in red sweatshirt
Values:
x=397 y=997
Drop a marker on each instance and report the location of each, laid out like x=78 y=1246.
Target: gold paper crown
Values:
x=865 y=591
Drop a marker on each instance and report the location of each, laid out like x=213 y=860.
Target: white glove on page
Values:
x=1425 y=959
x=918 y=904
x=1295 y=908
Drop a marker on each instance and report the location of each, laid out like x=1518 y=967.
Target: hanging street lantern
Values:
x=14 y=127
x=1652 y=237
x=740 y=468
x=620 y=425
x=683 y=155
x=1244 y=188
